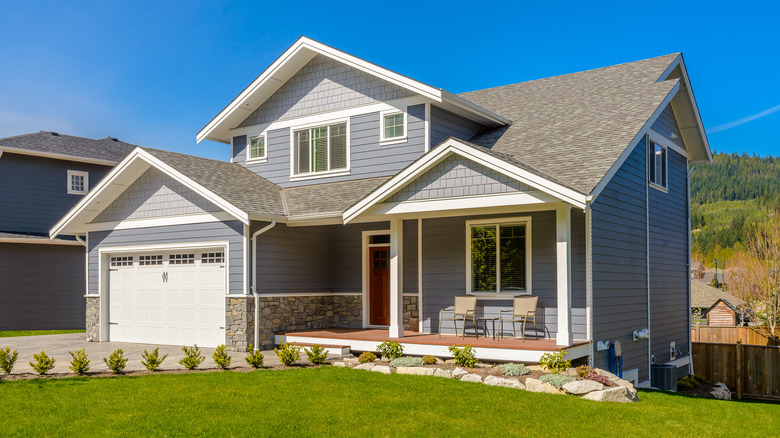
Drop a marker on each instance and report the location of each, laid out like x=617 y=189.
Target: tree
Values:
x=756 y=274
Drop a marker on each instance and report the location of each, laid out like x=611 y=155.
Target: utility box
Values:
x=663 y=377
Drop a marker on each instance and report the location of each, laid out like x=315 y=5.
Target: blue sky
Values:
x=153 y=73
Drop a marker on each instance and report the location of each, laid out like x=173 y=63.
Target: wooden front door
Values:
x=379 y=285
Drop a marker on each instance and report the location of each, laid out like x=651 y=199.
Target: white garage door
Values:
x=171 y=298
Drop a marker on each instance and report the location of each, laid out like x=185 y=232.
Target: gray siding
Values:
x=446 y=124
x=666 y=124
x=155 y=194
x=41 y=287
x=322 y=85
x=444 y=271
x=669 y=257
x=619 y=242
x=454 y=177
x=34 y=191
x=213 y=231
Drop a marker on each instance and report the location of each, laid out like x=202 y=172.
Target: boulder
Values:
x=439 y=361
x=476 y=378
x=620 y=394
x=459 y=372
x=365 y=366
x=339 y=364
x=579 y=387
x=535 y=385
x=351 y=360
x=571 y=372
x=415 y=371
x=507 y=383
x=535 y=367
x=721 y=392
x=613 y=378
x=384 y=369
x=483 y=365
x=447 y=374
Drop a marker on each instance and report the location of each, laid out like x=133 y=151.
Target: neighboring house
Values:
x=358 y=197
x=723 y=276
x=42 y=175
x=697 y=270
x=718 y=306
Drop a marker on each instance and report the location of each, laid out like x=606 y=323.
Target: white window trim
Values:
x=81 y=173
x=383 y=141
x=328 y=173
x=525 y=220
x=651 y=141
x=254 y=160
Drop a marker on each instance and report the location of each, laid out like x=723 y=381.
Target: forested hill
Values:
x=733 y=177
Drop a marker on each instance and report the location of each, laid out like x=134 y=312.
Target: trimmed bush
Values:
x=288 y=353
x=390 y=350
x=116 y=362
x=192 y=357
x=464 y=356
x=555 y=362
x=8 y=359
x=557 y=380
x=316 y=354
x=221 y=357
x=688 y=383
x=80 y=363
x=430 y=360
x=254 y=358
x=407 y=361
x=701 y=380
x=43 y=363
x=366 y=357
x=514 y=369
x=152 y=360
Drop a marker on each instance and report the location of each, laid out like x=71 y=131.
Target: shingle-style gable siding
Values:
x=324 y=85
x=446 y=124
x=666 y=124
x=619 y=262
x=457 y=176
x=155 y=194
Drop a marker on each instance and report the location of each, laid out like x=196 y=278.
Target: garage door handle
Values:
x=165 y=277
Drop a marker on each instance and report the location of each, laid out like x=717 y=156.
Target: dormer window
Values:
x=393 y=126
x=78 y=182
x=320 y=149
x=257 y=148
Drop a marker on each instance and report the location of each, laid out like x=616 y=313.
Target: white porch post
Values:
x=396 y=278
x=563 y=277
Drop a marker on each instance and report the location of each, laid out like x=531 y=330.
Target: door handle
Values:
x=165 y=277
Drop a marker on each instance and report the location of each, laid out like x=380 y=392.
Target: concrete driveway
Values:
x=57 y=346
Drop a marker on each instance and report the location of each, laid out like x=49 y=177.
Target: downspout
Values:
x=254 y=277
x=81 y=241
x=690 y=337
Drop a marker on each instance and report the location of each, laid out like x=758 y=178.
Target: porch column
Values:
x=396 y=278
x=563 y=277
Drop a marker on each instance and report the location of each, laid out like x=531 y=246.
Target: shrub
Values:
x=288 y=353
x=689 y=382
x=221 y=357
x=596 y=377
x=464 y=356
x=192 y=357
x=514 y=369
x=407 y=361
x=152 y=360
x=366 y=357
x=390 y=349
x=555 y=362
x=116 y=362
x=701 y=380
x=79 y=364
x=583 y=371
x=7 y=359
x=430 y=360
x=557 y=380
x=254 y=358
x=316 y=354
x=43 y=363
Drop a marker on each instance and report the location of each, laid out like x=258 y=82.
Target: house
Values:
x=697 y=270
x=358 y=199
x=43 y=175
x=717 y=306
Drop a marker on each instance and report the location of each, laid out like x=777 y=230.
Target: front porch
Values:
x=418 y=344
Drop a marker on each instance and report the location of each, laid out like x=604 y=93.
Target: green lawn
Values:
x=335 y=401
x=12 y=334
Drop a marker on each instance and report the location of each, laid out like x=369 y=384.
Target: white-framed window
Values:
x=498 y=254
x=181 y=259
x=256 y=149
x=212 y=257
x=121 y=261
x=393 y=125
x=657 y=156
x=78 y=182
x=150 y=260
x=320 y=149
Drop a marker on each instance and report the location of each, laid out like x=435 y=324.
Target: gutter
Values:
x=254 y=277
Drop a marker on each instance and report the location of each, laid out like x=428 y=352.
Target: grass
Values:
x=335 y=402
x=12 y=334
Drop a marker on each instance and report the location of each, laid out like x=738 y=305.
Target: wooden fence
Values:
x=751 y=371
x=729 y=335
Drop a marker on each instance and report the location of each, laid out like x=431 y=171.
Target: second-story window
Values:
x=78 y=182
x=657 y=157
x=320 y=149
x=393 y=127
x=257 y=147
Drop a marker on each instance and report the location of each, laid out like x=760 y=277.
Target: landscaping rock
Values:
x=459 y=372
x=438 y=372
x=507 y=383
x=476 y=378
x=535 y=385
x=579 y=387
x=620 y=394
x=384 y=369
x=571 y=372
x=613 y=378
x=535 y=367
x=449 y=361
x=721 y=392
x=415 y=371
x=484 y=365
x=439 y=361
x=339 y=364
x=351 y=360
x=365 y=366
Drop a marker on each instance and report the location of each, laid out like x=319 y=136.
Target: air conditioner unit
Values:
x=663 y=377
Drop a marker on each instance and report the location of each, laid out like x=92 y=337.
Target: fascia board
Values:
x=12 y=150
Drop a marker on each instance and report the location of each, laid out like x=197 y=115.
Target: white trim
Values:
x=365 y=239
x=167 y=247
x=404 y=126
x=427 y=136
x=657 y=187
x=323 y=174
x=247 y=253
x=257 y=160
x=632 y=376
x=517 y=220
x=659 y=138
x=84 y=175
x=564 y=335
x=420 y=273
x=507 y=209
x=129 y=224
x=396 y=278
x=589 y=281
x=651 y=162
x=534 y=197
x=309 y=294
x=680 y=362
x=39 y=241
x=55 y=156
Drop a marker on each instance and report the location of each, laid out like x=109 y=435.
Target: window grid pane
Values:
x=338 y=146
x=257 y=147
x=302 y=151
x=121 y=261
x=181 y=259
x=483 y=258
x=394 y=126
x=212 y=257
x=150 y=260
x=319 y=145
x=77 y=183
x=512 y=252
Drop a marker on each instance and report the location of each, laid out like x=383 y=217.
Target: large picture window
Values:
x=499 y=256
x=320 y=149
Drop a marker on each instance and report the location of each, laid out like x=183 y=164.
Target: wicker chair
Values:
x=465 y=309
x=523 y=310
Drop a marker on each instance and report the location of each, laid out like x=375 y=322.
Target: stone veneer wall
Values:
x=411 y=310
x=93 y=319
x=239 y=322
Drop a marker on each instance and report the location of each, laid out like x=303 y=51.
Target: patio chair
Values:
x=465 y=309
x=523 y=310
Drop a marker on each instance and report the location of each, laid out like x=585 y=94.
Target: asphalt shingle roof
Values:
x=575 y=127
x=704 y=296
x=109 y=149
x=329 y=198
